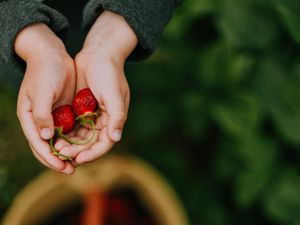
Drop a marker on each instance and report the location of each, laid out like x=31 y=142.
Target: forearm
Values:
x=112 y=34
x=15 y=16
x=147 y=18
x=35 y=40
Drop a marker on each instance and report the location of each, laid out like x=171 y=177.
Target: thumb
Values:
x=117 y=116
x=42 y=114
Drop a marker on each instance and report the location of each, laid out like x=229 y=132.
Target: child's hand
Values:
x=100 y=66
x=49 y=81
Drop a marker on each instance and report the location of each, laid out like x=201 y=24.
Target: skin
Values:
x=52 y=79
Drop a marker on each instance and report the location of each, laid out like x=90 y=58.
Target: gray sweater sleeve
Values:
x=17 y=14
x=146 y=17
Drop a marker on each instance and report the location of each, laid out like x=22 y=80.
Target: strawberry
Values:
x=84 y=106
x=64 y=122
x=84 y=103
x=64 y=118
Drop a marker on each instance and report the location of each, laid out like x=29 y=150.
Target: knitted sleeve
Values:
x=146 y=17
x=17 y=14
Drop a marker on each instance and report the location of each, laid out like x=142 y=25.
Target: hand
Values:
x=49 y=81
x=100 y=66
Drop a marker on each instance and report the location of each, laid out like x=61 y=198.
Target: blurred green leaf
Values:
x=279 y=89
x=258 y=157
x=282 y=199
x=194 y=118
x=238 y=117
x=245 y=24
x=150 y=120
x=214 y=66
x=241 y=66
x=288 y=11
x=186 y=15
x=225 y=163
x=221 y=68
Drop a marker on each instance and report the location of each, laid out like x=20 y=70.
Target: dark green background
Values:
x=216 y=109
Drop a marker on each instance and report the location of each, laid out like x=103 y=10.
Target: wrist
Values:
x=37 y=40
x=111 y=35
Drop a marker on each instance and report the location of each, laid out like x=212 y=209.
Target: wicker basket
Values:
x=51 y=191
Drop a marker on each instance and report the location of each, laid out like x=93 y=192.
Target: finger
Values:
x=66 y=148
x=82 y=132
x=38 y=157
x=74 y=150
x=32 y=135
x=74 y=163
x=60 y=144
x=69 y=168
x=102 y=121
x=103 y=145
x=41 y=111
x=99 y=149
x=117 y=115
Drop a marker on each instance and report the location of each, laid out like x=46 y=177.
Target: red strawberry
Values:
x=84 y=102
x=85 y=105
x=64 y=122
x=64 y=118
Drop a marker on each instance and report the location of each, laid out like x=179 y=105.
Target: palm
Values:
x=98 y=146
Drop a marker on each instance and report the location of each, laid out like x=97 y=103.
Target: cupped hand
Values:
x=100 y=67
x=49 y=81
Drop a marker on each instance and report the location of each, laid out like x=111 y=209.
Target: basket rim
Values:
x=153 y=189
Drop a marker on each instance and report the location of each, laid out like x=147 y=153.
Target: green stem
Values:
x=55 y=152
x=84 y=142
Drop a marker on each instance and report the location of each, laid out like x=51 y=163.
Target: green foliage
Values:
x=226 y=79
x=216 y=109
x=288 y=10
x=284 y=106
x=247 y=24
x=282 y=201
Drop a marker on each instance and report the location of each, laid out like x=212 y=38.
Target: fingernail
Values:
x=117 y=135
x=46 y=133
